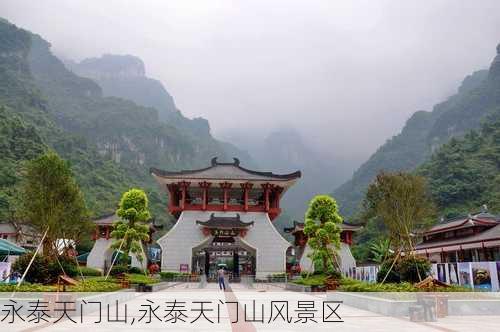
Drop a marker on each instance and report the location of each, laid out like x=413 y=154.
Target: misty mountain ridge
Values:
x=285 y=150
x=477 y=97
x=110 y=142
x=124 y=76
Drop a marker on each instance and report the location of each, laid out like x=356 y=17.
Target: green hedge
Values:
x=26 y=287
x=312 y=280
x=141 y=279
x=95 y=285
x=351 y=285
x=172 y=275
x=90 y=272
x=45 y=270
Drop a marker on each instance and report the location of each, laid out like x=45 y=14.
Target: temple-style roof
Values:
x=224 y=171
x=224 y=222
x=478 y=219
x=108 y=219
x=476 y=240
x=299 y=227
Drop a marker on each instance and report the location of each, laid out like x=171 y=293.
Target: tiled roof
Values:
x=482 y=218
x=299 y=226
x=224 y=222
x=488 y=235
x=106 y=220
x=230 y=171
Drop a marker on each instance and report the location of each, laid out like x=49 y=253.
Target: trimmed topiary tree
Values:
x=130 y=232
x=322 y=228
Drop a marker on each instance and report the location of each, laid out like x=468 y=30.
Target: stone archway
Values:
x=238 y=256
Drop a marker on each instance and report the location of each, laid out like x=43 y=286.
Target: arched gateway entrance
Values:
x=224 y=245
x=224 y=216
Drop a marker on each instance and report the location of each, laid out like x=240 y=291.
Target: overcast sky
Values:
x=347 y=74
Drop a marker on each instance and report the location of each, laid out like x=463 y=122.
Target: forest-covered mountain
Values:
x=110 y=142
x=464 y=174
x=424 y=132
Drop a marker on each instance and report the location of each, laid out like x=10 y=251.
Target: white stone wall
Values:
x=270 y=246
x=99 y=254
x=177 y=244
x=345 y=255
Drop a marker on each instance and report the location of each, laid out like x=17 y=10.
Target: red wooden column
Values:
x=267 y=187
x=184 y=185
x=277 y=196
x=172 y=191
x=107 y=232
x=225 y=187
x=246 y=188
x=204 y=187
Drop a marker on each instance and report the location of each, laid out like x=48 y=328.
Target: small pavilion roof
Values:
x=478 y=219
x=299 y=227
x=224 y=222
x=223 y=172
x=108 y=219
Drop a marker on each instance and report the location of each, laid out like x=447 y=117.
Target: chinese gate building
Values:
x=224 y=216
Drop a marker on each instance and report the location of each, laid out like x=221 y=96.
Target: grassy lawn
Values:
x=351 y=285
x=312 y=280
x=89 y=284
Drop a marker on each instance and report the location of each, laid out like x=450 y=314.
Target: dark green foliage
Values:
x=414 y=269
x=393 y=276
x=44 y=269
x=52 y=202
x=110 y=142
x=172 y=275
x=118 y=269
x=406 y=269
x=89 y=272
x=18 y=143
x=135 y=270
x=323 y=232
x=464 y=174
x=38 y=272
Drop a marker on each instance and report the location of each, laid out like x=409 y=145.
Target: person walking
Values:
x=220 y=276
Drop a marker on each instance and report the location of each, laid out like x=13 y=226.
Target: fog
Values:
x=346 y=74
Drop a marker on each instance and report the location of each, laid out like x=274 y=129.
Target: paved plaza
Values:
x=225 y=312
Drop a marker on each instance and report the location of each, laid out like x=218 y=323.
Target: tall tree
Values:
x=402 y=202
x=52 y=201
x=323 y=231
x=130 y=232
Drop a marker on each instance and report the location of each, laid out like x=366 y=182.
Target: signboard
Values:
x=224 y=232
x=184 y=268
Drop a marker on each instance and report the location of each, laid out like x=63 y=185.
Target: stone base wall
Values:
x=269 y=245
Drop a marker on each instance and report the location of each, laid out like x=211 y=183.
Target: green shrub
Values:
x=45 y=270
x=312 y=280
x=92 y=285
x=118 y=269
x=141 y=279
x=411 y=267
x=90 y=272
x=62 y=263
x=351 y=285
x=38 y=273
x=393 y=275
x=26 y=287
x=172 y=275
x=135 y=270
